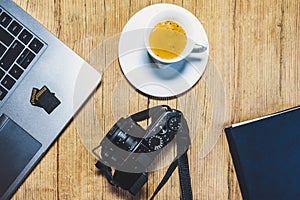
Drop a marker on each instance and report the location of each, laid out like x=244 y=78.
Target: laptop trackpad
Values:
x=17 y=148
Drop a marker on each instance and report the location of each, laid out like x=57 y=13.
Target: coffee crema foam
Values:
x=167 y=39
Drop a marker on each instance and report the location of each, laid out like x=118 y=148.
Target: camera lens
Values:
x=131 y=143
x=121 y=136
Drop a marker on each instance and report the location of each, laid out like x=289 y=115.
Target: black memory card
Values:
x=44 y=98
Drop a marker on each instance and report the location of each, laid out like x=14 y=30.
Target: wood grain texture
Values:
x=254 y=45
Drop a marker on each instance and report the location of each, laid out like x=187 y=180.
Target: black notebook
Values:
x=266 y=155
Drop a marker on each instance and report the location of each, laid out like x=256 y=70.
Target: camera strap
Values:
x=184 y=177
x=183 y=171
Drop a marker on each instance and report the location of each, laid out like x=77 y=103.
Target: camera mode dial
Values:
x=156 y=142
x=174 y=123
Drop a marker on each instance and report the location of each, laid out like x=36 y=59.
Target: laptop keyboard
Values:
x=18 y=48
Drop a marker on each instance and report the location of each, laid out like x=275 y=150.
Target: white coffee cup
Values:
x=180 y=17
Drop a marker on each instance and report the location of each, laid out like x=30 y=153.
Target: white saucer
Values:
x=143 y=73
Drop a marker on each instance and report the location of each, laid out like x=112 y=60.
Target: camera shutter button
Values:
x=163 y=130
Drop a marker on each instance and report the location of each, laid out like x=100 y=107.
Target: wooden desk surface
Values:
x=255 y=46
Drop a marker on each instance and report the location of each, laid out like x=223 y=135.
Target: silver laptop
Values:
x=42 y=84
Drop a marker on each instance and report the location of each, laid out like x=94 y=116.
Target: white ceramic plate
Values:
x=143 y=73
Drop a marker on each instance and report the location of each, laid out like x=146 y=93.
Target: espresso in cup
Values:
x=167 y=39
x=170 y=37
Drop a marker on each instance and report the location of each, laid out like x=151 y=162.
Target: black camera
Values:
x=131 y=149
